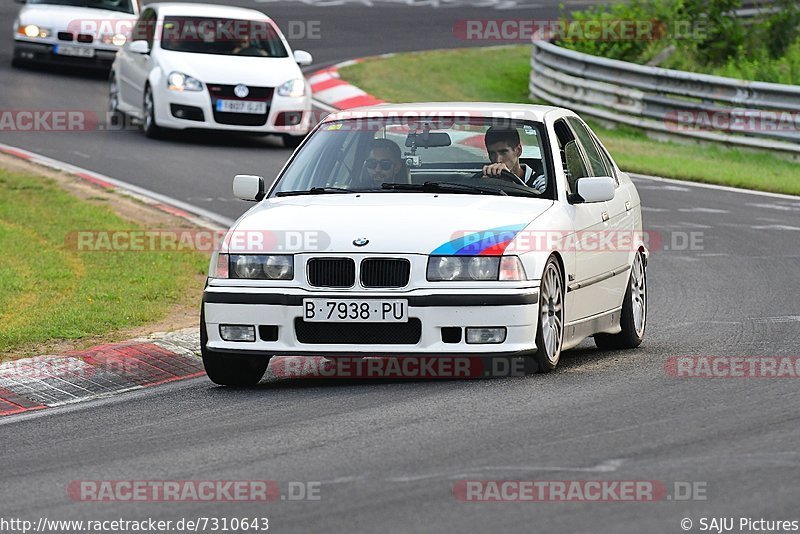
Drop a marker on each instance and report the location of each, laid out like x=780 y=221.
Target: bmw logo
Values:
x=360 y=242
x=241 y=90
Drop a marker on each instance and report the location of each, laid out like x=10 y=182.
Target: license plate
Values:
x=355 y=311
x=241 y=106
x=75 y=51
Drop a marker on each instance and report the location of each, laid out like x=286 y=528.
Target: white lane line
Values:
x=777 y=227
x=608 y=466
x=778 y=207
x=323 y=106
x=780 y=319
x=712 y=186
x=702 y=210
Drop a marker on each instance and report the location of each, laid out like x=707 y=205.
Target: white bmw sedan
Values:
x=430 y=229
x=84 y=33
x=202 y=66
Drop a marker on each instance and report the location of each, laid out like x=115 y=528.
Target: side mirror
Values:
x=139 y=47
x=596 y=188
x=302 y=58
x=248 y=187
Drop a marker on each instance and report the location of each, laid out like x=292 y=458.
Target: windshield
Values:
x=227 y=37
x=124 y=6
x=443 y=155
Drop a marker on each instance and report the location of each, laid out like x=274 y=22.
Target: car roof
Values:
x=531 y=112
x=181 y=9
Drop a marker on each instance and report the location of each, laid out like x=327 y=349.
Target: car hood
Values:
x=412 y=223
x=77 y=19
x=231 y=70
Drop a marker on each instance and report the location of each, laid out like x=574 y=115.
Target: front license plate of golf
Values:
x=242 y=106
x=355 y=311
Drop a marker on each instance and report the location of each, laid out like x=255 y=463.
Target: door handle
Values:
x=605 y=216
x=627 y=205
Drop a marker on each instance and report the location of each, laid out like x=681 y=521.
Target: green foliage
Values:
x=50 y=290
x=706 y=35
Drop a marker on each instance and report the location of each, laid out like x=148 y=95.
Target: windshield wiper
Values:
x=315 y=191
x=435 y=187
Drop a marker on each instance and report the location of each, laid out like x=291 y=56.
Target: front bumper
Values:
x=198 y=105
x=44 y=52
x=515 y=310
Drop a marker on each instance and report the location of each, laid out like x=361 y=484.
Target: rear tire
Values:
x=230 y=371
x=633 y=319
x=550 y=332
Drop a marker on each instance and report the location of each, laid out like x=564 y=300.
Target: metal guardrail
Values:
x=663 y=101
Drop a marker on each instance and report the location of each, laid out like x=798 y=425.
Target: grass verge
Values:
x=50 y=291
x=500 y=74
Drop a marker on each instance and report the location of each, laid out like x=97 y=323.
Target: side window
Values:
x=597 y=165
x=606 y=158
x=574 y=165
x=145 y=28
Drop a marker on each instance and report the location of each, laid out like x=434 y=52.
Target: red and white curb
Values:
x=48 y=381
x=329 y=89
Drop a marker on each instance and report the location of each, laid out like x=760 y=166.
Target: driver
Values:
x=504 y=148
x=247 y=47
x=384 y=163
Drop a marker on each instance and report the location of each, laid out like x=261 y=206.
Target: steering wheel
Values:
x=504 y=175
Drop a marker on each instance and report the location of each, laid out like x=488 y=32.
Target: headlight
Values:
x=474 y=268
x=177 y=81
x=293 y=88
x=261 y=267
x=116 y=39
x=33 y=31
x=463 y=268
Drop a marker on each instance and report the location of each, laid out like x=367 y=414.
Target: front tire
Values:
x=550 y=332
x=633 y=319
x=150 y=128
x=230 y=371
x=292 y=141
x=16 y=61
x=113 y=94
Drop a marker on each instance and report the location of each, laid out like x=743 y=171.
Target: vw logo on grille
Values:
x=241 y=90
x=360 y=242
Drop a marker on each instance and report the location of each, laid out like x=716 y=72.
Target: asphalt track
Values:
x=388 y=454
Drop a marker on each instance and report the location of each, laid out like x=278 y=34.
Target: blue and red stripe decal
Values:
x=490 y=242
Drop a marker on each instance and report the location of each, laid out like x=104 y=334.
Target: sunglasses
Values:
x=372 y=164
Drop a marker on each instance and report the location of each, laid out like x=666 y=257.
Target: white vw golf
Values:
x=430 y=229
x=202 y=66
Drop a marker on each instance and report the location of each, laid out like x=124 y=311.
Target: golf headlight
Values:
x=261 y=267
x=177 y=81
x=293 y=88
x=116 y=39
x=33 y=31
